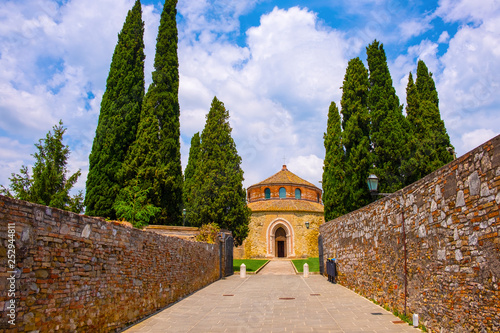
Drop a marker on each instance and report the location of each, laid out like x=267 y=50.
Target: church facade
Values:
x=286 y=214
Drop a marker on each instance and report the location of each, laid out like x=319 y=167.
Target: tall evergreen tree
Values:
x=189 y=183
x=388 y=126
x=429 y=142
x=48 y=185
x=334 y=182
x=218 y=194
x=154 y=160
x=356 y=134
x=119 y=116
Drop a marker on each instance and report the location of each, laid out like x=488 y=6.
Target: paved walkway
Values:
x=278 y=267
x=273 y=303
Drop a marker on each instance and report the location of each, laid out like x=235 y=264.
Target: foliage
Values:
x=430 y=141
x=356 y=134
x=49 y=185
x=334 y=186
x=208 y=233
x=388 y=129
x=189 y=183
x=118 y=118
x=154 y=158
x=218 y=194
x=132 y=206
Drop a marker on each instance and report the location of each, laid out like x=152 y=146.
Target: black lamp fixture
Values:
x=372 y=182
x=307 y=225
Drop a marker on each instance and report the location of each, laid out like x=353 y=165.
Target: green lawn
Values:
x=312 y=262
x=251 y=264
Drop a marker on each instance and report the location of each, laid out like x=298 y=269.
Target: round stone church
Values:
x=286 y=214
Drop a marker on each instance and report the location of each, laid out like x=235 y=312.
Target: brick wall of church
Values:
x=452 y=227
x=307 y=193
x=77 y=273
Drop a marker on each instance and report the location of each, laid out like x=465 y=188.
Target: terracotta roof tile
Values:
x=284 y=177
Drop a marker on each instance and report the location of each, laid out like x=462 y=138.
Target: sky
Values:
x=276 y=65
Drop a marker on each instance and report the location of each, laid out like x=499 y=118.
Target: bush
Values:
x=208 y=233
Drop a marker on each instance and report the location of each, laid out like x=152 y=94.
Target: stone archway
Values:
x=280 y=236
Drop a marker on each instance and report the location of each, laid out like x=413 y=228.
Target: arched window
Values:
x=267 y=193
x=282 y=193
x=297 y=193
x=317 y=197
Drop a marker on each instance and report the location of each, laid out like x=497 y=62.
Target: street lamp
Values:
x=372 y=182
x=307 y=225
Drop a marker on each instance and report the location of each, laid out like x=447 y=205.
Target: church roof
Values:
x=285 y=205
x=284 y=177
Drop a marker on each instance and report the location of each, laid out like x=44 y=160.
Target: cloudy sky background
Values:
x=276 y=65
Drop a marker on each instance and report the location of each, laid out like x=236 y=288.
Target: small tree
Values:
x=132 y=206
x=49 y=185
x=208 y=233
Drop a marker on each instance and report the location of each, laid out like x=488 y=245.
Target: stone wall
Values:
x=453 y=247
x=77 y=273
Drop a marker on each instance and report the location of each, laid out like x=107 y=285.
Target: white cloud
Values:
x=444 y=37
x=467 y=84
x=277 y=88
x=477 y=137
x=414 y=27
x=468 y=10
x=309 y=167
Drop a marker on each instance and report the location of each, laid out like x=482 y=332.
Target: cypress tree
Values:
x=190 y=169
x=356 y=135
x=118 y=118
x=154 y=160
x=218 y=195
x=388 y=126
x=429 y=140
x=334 y=183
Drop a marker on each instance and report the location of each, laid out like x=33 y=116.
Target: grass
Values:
x=251 y=264
x=312 y=262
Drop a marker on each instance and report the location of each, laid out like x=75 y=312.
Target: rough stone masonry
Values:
x=453 y=248
x=77 y=273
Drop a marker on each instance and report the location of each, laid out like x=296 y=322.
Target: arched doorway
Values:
x=280 y=237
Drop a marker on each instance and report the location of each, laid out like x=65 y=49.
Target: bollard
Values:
x=415 y=320
x=306 y=270
x=243 y=271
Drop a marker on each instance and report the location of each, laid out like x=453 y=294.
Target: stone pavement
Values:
x=273 y=303
x=278 y=267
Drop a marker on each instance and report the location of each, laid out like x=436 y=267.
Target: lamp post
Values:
x=372 y=182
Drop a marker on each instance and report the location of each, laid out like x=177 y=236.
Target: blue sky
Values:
x=276 y=65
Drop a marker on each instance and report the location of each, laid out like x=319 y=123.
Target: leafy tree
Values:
x=334 y=182
x=190 y=169
x=218 y=195
x=429 y=140
x=49 y=185
x=154 y=159
x=132 y=205
x=356 y=134
x=388 y=128
x=119 y=116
